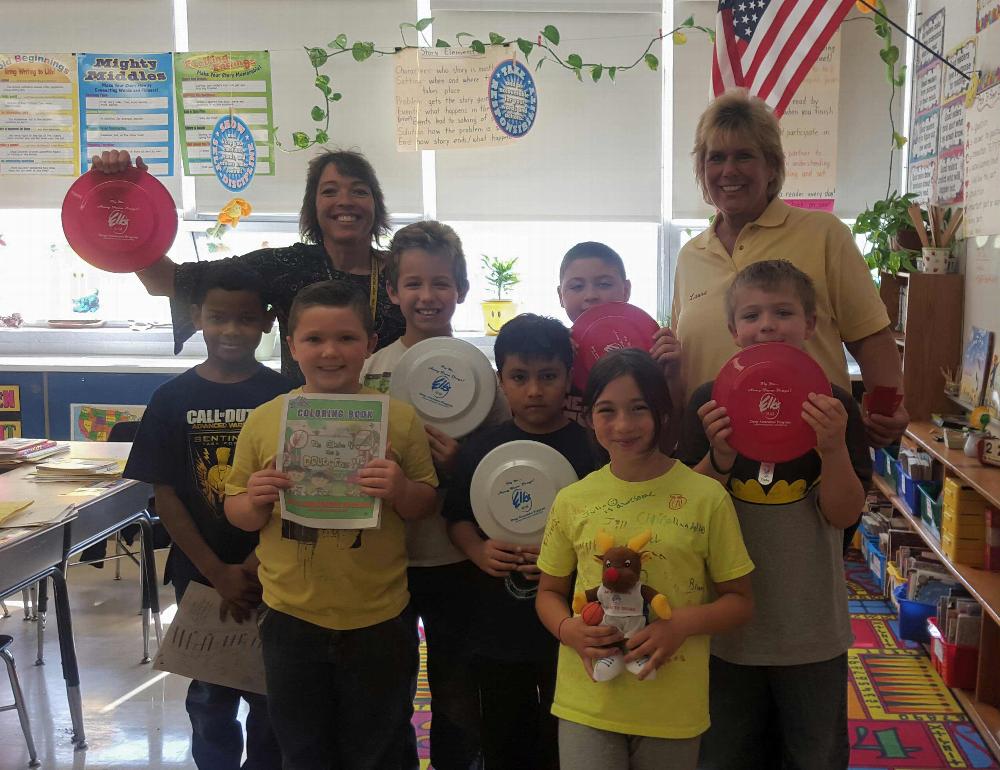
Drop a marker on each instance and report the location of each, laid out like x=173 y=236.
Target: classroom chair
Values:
x=18 y=704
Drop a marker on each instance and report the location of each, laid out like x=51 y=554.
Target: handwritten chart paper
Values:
x=217 y=83
x=951 y=129
x=127 y=103
x=200 y=646
x=809 y=134
x=982 y=165
x=325 y=440
x=442 y=99
x=39 y=129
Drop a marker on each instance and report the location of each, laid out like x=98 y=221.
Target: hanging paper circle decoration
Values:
x=234 y=154
x=513 y=98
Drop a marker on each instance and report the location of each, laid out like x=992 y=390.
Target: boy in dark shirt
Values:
x=514 y=656
x=184 y=448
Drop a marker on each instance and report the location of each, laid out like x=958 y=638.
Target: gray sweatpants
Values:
x=587 y=748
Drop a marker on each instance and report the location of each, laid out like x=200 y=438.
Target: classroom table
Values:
x=44 y=551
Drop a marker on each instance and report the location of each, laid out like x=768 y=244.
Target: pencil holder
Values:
x=936 y=259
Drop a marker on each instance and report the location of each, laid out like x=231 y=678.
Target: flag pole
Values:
x=935 y=54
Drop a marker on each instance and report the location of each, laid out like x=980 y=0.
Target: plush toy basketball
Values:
x=593 y=614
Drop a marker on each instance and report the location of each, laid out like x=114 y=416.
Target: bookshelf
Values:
x=930 y=337
x=983 y=703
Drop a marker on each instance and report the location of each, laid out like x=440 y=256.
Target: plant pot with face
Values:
x=497 y=312
x=500 y=275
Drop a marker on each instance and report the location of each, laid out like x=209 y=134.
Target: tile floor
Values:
x=133 y=716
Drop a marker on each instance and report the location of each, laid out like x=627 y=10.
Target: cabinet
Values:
x=930 y=337
x=983 y=703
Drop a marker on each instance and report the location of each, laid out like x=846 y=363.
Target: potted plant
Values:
x=893 y=244
x=499 y=274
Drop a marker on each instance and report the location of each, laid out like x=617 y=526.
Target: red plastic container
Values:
x=957 y=664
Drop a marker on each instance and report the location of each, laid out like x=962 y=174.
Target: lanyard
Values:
x=373 y=286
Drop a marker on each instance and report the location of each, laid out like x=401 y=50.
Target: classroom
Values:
x=693 y=455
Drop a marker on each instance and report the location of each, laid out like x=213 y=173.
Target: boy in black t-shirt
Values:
x=514 y=656
x=184 y=448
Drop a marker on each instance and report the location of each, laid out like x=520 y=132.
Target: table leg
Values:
x=43 y=608
x=67 y=651
x=150 y=595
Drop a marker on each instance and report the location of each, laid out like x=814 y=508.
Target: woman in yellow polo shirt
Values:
x=740 y=166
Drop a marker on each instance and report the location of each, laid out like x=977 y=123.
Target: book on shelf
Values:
x=976 y=365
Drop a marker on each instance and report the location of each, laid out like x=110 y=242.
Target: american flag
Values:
x=768 y=46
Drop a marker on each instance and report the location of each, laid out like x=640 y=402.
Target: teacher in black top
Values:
x=342 y=221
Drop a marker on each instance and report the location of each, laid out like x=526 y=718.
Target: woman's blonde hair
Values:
x=737 y=114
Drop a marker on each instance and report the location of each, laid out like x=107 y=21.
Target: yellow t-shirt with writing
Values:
x=339 y=579
x=848 y=306
x=695 y=541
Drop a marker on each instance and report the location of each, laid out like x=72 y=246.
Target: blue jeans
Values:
x=217 y=736
x=787 y=717
x=340 y=700
x=442 y=598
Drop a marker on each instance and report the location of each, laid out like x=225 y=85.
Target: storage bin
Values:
x=885 y=464
x=876 y=563
x=956 y=663
x=930 y=509
x=961 y=498
x=913 y=617
x=971 y=552
x=909 y=490
x=971 y=526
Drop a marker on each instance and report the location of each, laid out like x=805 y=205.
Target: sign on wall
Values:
x=127 y=103
x=216 y=84
x=39 y=126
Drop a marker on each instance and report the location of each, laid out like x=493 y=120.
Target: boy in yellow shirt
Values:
x=338 y=653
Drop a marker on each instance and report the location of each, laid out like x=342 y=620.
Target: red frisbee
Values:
x=608 y=327
x=119 y=222
x=763 y=388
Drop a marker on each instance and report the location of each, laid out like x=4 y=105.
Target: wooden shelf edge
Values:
x=970 y=470
x=985 y=717
x=978 y=582
x=966 y=405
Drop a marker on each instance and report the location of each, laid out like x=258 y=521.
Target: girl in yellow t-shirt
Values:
x=694 y=556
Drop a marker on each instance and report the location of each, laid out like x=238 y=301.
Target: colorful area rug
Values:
x=902 y=717
x=901 y=714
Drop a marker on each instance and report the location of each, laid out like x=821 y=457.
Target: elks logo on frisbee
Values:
x=770 y=406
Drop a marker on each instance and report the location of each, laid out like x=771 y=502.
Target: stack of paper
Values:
x=17 y=450
x=77 y=469
x=10 y=507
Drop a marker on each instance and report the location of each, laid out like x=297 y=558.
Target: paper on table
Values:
x=200 y=646
x=9 y=508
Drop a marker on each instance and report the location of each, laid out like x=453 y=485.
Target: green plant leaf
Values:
x=318 y=113
x=539 y=65
x=336 y=97
x=898 y=139
x=525 y=46
x=551 y=34
x=339 y=42
x=322 y=137
x=477 y=46
x=362 y=51
x=576 y=71
x=688 y=22
x=496 y=39
x=611 y=72
x=574 y=60
x=651 y=61
x=596 y=71
x=442 y=44
x=889 y=55
x=423 y=24
x=322 y=80
x=300 y=139
x=317 y=57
